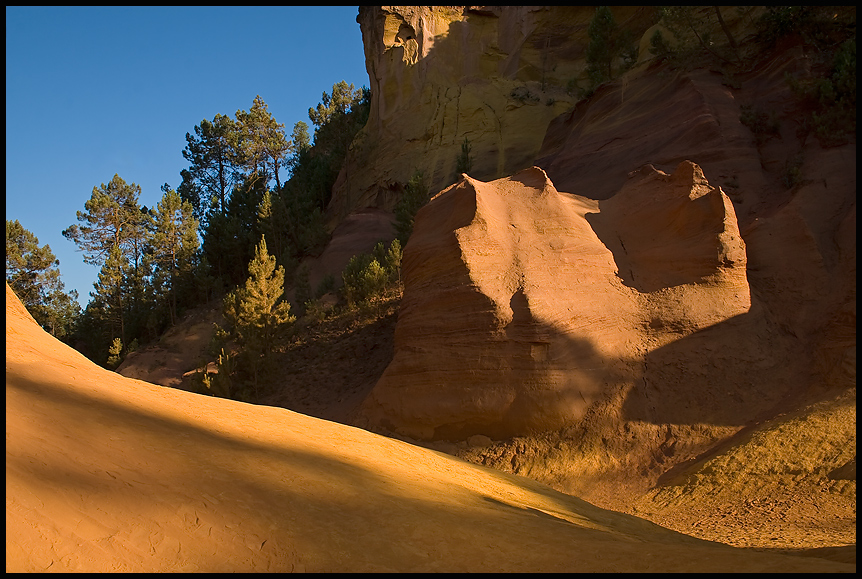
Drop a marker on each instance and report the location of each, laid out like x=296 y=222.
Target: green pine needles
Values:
x=262 y=314
x=367 y=276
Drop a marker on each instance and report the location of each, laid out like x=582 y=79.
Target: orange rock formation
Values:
x=516 y=316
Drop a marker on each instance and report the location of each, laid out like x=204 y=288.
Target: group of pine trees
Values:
x=148 y=260
x=33 y=273
x=251 y=200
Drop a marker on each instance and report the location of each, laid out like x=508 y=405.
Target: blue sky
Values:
x=95 y=91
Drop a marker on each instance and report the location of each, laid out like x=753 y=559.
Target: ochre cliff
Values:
x=523 y=306
x=439 y=75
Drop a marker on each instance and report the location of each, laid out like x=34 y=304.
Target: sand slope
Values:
x=107 y=473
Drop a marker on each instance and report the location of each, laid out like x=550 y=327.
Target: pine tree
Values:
x=262 y=142
x=109 y=292
x=300 y=138
x=601 y=49
x=135 y=284
x=114 y=352
x=364 y=279
x=110 y=235
x=416 y=194
x=464 y=162
x=214 y=163
x=173 y=245
x=110 y=218
x=262 y=314
x=229 y=240
x=266 y=222
x=29 y=268
x=33 y=274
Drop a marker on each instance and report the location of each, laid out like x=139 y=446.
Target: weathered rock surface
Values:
x=439 y=74
x=523 y=305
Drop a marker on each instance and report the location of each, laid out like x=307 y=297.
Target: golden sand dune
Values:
x=107 y=473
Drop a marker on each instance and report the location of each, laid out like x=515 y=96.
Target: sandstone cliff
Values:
x=493 y=75
x=516 y=316
x=653 y=117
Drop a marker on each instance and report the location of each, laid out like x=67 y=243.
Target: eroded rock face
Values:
x=440 y=74
x=522 y=304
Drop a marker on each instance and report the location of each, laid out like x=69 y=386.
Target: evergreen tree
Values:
x=173 y=245
x=391 y=260
x=300 y=138
x=189 y=190
x=59 y=313
x=114 y=352
x=266 y=222
x=229 y=239
x=109 y=292
x=464 y=162
x=690 y=27
x=337 y=119
x=33 y=274
x=262 y=313
x=256 y=311
x=92 y=333
x=363 y=279
x=607 y=44
x=301 y=145
x=335 y=126
x=109 y=235
x=416 y=194
x=262 y=143
x=30 y=269
x=214 y=165
x=135 y=282
x=601 y=50
x=110 y=218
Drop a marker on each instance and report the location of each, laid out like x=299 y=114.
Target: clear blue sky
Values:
x=95 y=91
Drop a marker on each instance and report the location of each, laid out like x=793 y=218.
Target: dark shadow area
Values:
x=843 y=554
x=329 y=374
x=734 y=373
x=660 y=117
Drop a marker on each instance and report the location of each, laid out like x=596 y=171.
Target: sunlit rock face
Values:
x=523 y=304
x=438 y=75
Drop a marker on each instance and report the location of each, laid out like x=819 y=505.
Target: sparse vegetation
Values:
x=691 y=28
x=368 y=276
x=820 y=27
x=761 y=123
x=523 y=95
x=792 y=175
x=609 y=44
x=220 y=383
x=831 y=99
x=114 y=352
x=464 y=162
x=416 y=194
